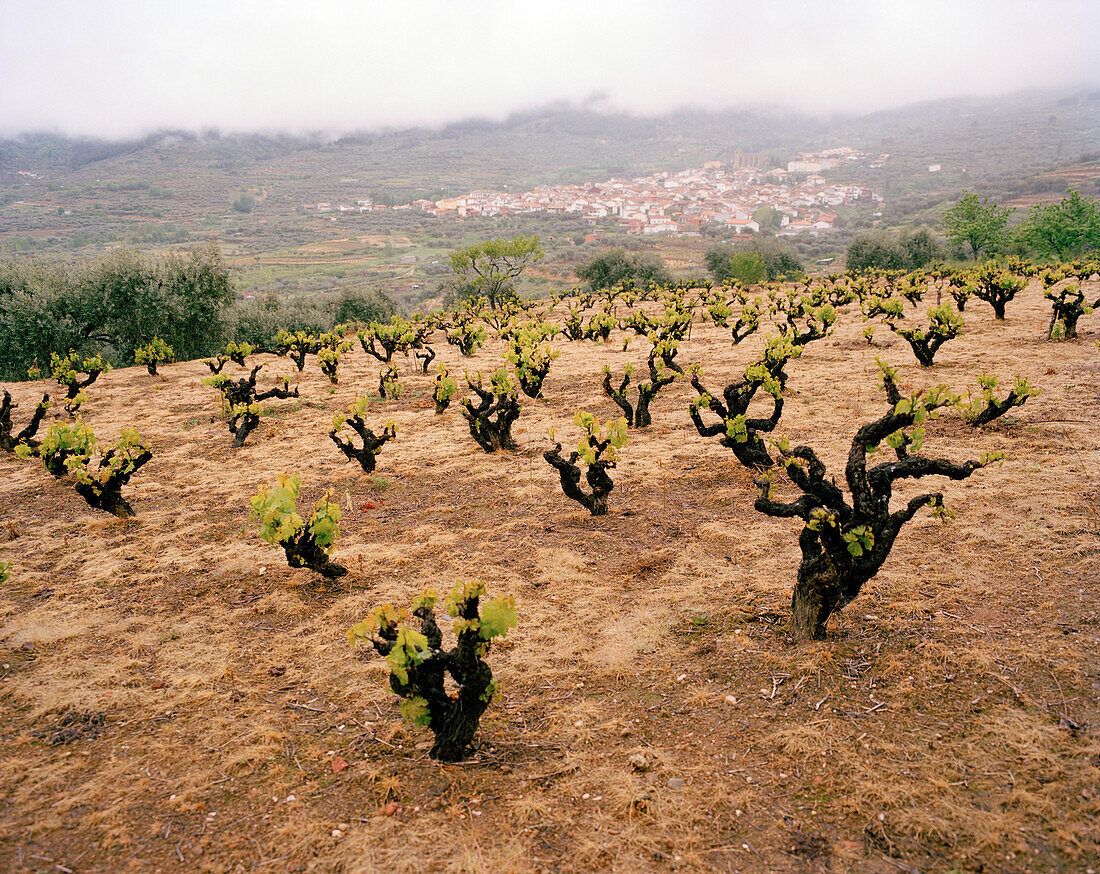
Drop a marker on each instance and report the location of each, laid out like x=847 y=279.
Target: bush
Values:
x=616 y=267
x=921 y=248
x=599 y=451
x=659 y=376
x=845 y=540
x=780 y=259
x=748 y=268
x=67 y=371
x=500 y=401
x=738 y=432
x=112 y=306
x=944 y=323
x=443 y=390
x=364 y=307
x=419 y=666
x=70 y=449
x=876 y=251
x=306 y=544
x=155 y=352
x=8 y=443
x=241 y=401
x=372 y=444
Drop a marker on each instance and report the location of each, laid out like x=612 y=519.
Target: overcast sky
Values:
x=122 y=67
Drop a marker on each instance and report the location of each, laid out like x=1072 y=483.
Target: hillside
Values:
x=174 y=697
x=67 y=198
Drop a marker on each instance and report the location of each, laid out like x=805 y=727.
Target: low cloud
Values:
x=121 y=68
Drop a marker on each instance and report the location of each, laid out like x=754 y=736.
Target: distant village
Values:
x=678 y=203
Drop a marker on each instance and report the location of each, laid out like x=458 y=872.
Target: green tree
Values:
x=491 y=267
x=876 y=251
x=748 y=268
x=921 y=248
x=358 y=305
x=779 y=259
x=615 y=266
x=1067 y=230
x=977 y=222
x=112 y=306
x=768 y=219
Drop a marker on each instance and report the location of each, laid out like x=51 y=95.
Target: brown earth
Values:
x=173 y=697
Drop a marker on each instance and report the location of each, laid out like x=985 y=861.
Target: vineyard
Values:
x=633 y=483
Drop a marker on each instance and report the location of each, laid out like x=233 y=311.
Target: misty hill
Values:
x=987 y=137
x=72 y=198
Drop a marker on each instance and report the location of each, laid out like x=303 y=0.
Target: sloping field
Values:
x=173 y=697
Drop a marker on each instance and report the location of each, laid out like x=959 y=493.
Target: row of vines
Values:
x=848 y=528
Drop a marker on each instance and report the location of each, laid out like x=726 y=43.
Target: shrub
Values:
x=980 y=411
x=500 y=401
x=8 y=443
x=748 y=320
x=996 y=285
x=297 y=345
x=388 y=384
x=845 y=540
x=372 y=444
x=5 y=571
x=419 y=665
x=599 y=451
x=425 y=356
x=740 y=433
x=306 y=544
x=63 y=441
x=113 y=303
x=155 y=352
x=531 y=355
x=364 y=307
x=638 y=416
x=241 y=401
x=383 y=339
x=780 y=259
x=467 y=336
x=70 y=449
x=68 y=372
x=443 y=390
x=877 y=250
x=616 y=267
x=944 y=323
